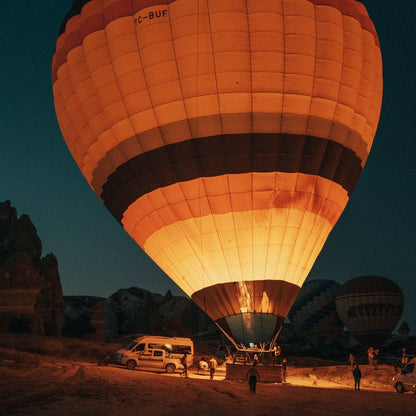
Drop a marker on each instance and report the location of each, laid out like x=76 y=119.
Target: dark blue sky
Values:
x=375 y=235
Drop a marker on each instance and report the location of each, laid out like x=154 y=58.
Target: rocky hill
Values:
x=135 y=310
x=31 y=298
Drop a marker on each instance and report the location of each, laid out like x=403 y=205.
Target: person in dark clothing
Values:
x=185 y=366
x=284 y=369
x=357 y=377
x=253 y=376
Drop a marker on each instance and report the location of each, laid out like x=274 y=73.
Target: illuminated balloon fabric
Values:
x=370 y=307
x=314 y=313
x=225 y=136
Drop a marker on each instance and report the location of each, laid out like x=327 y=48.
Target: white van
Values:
x=152 y=352
x=406 y=379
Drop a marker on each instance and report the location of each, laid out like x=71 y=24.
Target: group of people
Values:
x=373 y=355
x=253 y=375
x=260 y=355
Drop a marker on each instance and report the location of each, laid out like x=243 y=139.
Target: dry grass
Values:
x=79 y=350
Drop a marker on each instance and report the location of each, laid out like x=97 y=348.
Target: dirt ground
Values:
x=37 y=385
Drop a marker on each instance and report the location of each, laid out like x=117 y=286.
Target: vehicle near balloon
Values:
x=154 y=352
x=314 y=313
x=406 y=379
x=370 y=307
x=226 y=137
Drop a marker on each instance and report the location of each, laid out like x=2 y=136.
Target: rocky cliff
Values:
x=31 y=298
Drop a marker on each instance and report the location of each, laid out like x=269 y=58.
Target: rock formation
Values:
x=83 y=317
x=135 y=310
x=97 y=322
x=30 y=289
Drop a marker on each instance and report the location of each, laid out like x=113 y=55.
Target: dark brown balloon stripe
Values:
x=229 y=154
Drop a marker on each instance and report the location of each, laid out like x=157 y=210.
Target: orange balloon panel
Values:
x=226 y=137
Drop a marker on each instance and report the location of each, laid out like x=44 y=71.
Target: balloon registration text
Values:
x=150 y=15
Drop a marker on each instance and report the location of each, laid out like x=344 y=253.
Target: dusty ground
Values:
x=38 y=385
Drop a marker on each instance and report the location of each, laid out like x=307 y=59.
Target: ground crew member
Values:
x=212 y=366
x=357 y=377
x=185 y=366
x=253 y=376
x=284 y=368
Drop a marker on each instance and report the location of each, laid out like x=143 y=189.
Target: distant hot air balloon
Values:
x=314 y=314
x=225 y=136
x=370 y=307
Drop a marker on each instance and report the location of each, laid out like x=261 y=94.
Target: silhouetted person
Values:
x=276 y=354
x=284 y=368
x=376 y=358
x=357 y=377
x=212 y=366
x=185 y=365
x=253 y=376
x=370 y=354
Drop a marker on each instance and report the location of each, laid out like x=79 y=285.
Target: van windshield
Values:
x=131 y=345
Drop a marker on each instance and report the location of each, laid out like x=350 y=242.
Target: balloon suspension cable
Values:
x=229 y=338
x=273 y=341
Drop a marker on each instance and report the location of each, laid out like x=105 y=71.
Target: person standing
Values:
x=370 y=354
x=376 y=358
x=284 y=368
x=357 y=377
x=185 y=366
x=276 y=354
x=212 y=366
x=351 y=360
x=253 y=376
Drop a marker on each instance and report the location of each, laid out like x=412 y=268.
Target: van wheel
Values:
x=400 y=388
x=170 y=368
x=131 y=365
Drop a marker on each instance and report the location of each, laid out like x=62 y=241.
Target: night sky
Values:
x=375 y=235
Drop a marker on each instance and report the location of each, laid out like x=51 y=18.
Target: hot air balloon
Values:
x=225 y=136
x=370 y=307
x=314 y=314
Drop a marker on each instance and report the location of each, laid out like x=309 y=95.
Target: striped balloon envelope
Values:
x=226 y=136
x=314 y=314
x=370 y=307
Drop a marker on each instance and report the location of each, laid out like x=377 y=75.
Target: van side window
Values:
x=408 y=369
x=140 y=347
x=156 y=347
x=157 y=353
x=181 y=349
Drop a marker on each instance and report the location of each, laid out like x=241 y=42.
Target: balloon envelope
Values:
x=370 y=307
x=225 y=136
x=314 y=313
